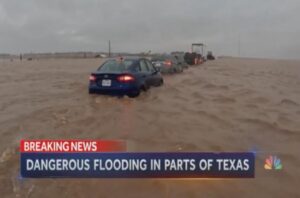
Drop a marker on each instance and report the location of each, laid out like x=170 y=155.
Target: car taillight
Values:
x=126 y=78
x=92 y=78
x=168 y=63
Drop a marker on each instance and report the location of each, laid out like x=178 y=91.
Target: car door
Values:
x=154 y=74
x=145 y=73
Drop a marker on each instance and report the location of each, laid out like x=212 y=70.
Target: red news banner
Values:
x=72 y=146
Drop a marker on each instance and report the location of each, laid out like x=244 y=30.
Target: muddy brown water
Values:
x=225 y=105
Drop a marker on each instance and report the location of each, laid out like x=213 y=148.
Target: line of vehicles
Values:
x=131 y=75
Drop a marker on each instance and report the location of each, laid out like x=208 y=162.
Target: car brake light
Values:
x=92 y=78
x=168 y=62
x=126 y=78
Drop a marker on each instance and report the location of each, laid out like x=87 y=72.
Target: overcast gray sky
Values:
x=266 y=28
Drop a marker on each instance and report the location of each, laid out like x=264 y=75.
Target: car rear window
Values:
x=158 y=59
x=116 y=66
x=163 y=58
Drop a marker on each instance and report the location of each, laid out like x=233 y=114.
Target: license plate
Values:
x=106 y=83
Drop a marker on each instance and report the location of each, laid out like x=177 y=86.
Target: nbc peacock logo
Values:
x=273 y=162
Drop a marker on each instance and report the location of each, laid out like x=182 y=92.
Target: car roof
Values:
x=134 y=58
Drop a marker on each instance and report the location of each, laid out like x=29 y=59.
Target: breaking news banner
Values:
x=109 y=159
x=68 y=146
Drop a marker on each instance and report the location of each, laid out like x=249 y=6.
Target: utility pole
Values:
x=239 y=45
x=109 y=49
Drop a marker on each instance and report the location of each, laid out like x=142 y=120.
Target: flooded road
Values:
x=225 y=105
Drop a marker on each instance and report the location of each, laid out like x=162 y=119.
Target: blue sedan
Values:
x=124 y=76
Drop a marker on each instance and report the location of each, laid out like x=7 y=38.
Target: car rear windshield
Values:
x=116 y=66
x=163 y=58
x=159 y=59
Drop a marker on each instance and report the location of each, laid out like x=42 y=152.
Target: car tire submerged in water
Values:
x=161 y=82
x=134 y=94
x=145 y=88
